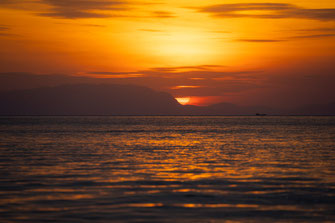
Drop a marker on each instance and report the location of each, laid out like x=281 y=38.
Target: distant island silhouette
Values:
x=112 y=99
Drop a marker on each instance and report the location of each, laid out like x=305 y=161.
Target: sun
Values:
x=184 y=47
x=183 y=100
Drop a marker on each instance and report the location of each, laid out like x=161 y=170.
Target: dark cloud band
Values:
x=268 y=11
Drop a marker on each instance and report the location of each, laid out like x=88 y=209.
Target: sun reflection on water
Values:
x=123 y=165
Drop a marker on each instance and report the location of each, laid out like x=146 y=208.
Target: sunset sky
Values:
x=273 y=53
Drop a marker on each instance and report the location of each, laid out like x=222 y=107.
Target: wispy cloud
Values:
x=259 y=40
x=190 y=80
x=94 y=25
x=185 y=68
x=116 y=75
x=82 y=9
x=194 y=73
x=184 y=86
x=204 y=80
x=4 y=31
x=313 y=36
x=3 y=28
x=291 y=38
x=80 y=24
x=72 y=9
x=323 y=29
x=5 y=34
x=163 y=14
x=8 y=2
x=268 y=11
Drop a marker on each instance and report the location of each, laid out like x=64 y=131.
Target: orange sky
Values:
x=274 y=53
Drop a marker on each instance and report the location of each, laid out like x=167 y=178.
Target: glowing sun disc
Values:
x=183 y=101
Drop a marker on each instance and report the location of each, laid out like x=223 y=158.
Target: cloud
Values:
x=12 y=2
x=187 y=72
x=268 y=11
x=183 y=68
x=3 y=28
x=116 y=75
x=202 y=80
x=84 y=25
x=4 y=31
x=313 y=36
x=6 y=34
x=163 y=14
x=175 y=80
x=326 y=30
x=81 y=9
x=184 y=86
x=259 y=40
x=74 y=9
x=94 y=25
x=163 y=72
x=8 y=2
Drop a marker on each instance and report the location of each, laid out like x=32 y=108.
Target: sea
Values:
x=167 y=169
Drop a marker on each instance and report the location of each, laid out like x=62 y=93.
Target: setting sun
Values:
x=183 y=101
x=200 y=52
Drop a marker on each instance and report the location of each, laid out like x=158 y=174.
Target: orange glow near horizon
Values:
x=182 y=86
x=191 y=49
x=199 y=101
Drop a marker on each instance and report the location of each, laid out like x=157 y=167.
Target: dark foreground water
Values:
x=167 y=169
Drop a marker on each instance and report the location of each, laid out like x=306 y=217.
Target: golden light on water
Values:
x=159 y=164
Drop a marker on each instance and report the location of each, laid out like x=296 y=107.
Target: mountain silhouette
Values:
x=112 y=99
x=88 y=100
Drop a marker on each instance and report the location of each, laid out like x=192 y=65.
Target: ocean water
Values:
x=167 y=169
